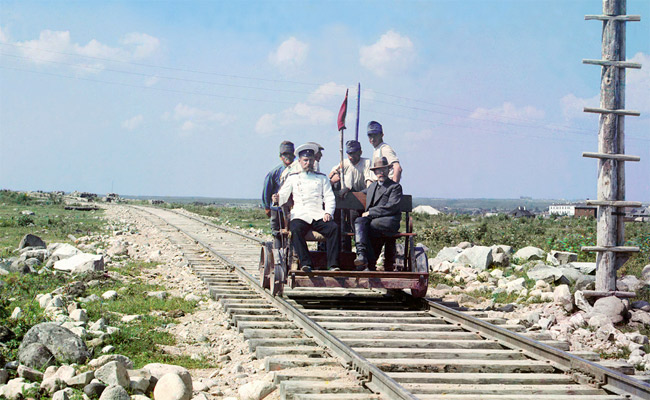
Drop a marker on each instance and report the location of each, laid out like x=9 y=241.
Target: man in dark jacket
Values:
x=272 y=185
x=382 y=216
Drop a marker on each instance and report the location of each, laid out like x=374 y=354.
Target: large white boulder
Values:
x=82 y=262
x=478 y=257
x=172 y=387
x=530 y=253
x=61 y=251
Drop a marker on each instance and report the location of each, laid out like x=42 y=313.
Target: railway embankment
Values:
x=545 y=291
x=134 y=320
x=134 y=307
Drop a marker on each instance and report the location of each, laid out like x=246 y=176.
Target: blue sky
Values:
x=478 y=98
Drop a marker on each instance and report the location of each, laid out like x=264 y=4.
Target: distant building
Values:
x=573 y=210
x=521 y=212
x=422 y=209
x=641 y=214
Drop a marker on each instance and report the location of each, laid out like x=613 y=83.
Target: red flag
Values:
x=343 y=111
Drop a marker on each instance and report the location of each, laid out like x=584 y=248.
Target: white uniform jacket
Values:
x=312 y=195
x=294 y=168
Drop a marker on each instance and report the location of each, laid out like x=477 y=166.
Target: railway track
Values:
x=362 y=344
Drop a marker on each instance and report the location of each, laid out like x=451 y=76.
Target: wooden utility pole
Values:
x=612 y=253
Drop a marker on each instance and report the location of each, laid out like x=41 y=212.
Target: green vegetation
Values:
x=564 y=233
x=234 y=216
x=51 y=221
x=141 y=340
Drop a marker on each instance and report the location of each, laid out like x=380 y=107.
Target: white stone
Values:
x=258 y=389
x=562 y=296
x=61 y=251
x=16 y=313
x=157 y=370
x=44 y=300
x=131 y=318
x=79 y=315
x=113 y=373
x=611 y=306
x=109 y=295
x=171 y=387
x=478 y=257
x=115 y=392
x=581 y=302
x=530 y=253
x=80 y=263
x=516 y=285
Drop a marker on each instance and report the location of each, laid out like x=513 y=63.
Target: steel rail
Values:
x=375 y=379
x=602 y=377
x=584 y=371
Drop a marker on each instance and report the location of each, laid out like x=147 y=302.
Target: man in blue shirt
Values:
x=272 y=185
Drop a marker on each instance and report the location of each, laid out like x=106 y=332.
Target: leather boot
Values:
x=361 y=239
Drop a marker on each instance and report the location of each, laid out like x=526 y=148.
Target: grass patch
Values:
x=140 y=340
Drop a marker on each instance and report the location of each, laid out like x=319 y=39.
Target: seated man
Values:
x=313 y=208
x=382 y=216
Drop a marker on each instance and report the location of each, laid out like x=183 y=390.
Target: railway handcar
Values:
x=410 y=264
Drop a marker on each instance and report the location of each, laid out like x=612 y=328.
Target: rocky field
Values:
x=128 y=285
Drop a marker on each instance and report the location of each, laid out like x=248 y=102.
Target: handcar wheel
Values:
x=420 y=264
x=266 y=265
x=277 y=280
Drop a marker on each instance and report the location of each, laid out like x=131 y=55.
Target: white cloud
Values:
x=291 y=53
x=144 y=46
x=508 y=112
x=4 y=36
x=320 y=109
x=637 y=87
x=133 y=123
x=391 y=53
x=196 y=119
x=57 y=46
x=573 y=106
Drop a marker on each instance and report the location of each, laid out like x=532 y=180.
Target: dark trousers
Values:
x=369 y=238
x=277 y=223
x=329 y=229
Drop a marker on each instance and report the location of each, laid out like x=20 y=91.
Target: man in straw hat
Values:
x=313 y=208
x=382 y=215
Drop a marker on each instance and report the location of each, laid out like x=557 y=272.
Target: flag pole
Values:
x=356 y=132
x=341 y=125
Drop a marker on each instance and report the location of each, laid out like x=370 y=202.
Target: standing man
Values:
x=272 y=185
x=356 y=169
x=313 y=208
x=376 y=138
x=382 y=215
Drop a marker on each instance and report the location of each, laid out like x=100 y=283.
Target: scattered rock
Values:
x=562 y=296
x=629 y=283
x=544 y=272
x=530 y=253
x=258 y=389
x=36 y=355
x=172 y=387
x=109 y=295
x=81 y=263
x=30 y=240
x=114 y=393
x=103 y=360
x=157 y=370
x=94 y=389
x=113 y=373
x=611 y=307
x=478 y=257
x=15 y=388
x=30 y=374
x=556 y=257
x=61 y=342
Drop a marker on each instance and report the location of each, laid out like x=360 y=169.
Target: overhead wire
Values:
x=532 y=123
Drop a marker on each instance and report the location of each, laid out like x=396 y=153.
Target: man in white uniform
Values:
x=376 y=138
x=356 y=169
x=313 y=208
x=295 y=166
